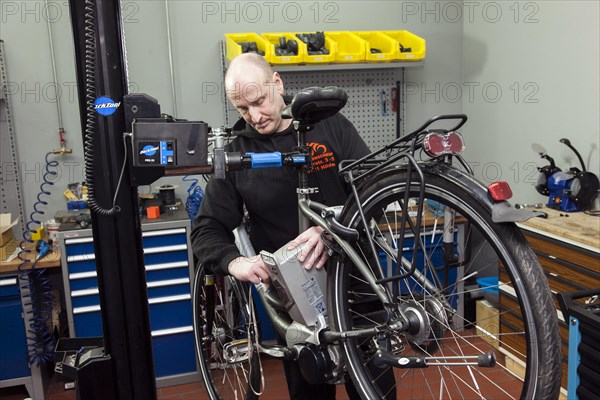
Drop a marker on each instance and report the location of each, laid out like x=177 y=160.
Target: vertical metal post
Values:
x=117 y=239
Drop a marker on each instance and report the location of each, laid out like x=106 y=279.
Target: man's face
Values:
x=259 y=100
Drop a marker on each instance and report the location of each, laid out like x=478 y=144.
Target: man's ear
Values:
x=278 y=83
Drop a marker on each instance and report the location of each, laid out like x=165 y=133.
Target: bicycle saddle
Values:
x=315 y=104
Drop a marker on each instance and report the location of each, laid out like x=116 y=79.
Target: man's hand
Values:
x=314 y=251
x=251 y=269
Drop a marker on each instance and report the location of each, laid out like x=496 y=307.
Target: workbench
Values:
x=15 y=318
x=568 y=248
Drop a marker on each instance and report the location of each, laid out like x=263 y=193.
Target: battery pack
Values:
x=302 y=291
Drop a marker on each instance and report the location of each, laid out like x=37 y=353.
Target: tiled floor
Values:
x=275 y=388
x=426 y=383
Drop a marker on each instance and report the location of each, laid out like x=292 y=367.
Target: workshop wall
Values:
x=534 y=70
x=549 y=88
x=196 y=29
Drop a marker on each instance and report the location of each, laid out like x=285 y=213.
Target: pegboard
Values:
x=10 y=180
x=370 y=94
x=370 y=90
x=369 y=105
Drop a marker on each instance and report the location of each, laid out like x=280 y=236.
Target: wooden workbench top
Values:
x=577 y=228
x=52 y=259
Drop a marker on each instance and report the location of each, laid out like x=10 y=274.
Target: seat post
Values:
x=303 y=190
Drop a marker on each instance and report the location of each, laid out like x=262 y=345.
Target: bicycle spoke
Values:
x=439 y=299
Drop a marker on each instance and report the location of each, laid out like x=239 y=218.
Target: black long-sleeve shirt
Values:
x=270 y=194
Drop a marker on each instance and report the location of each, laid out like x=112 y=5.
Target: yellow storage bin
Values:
x=408 y=41
x=273 y=40
x=234 y=49
x=318 y=58
x=380 y=47
x=348 y=47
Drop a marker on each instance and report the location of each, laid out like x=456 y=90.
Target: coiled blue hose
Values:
x=36 y=289
x=195 y=196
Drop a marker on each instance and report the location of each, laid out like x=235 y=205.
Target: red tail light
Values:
x=437 y=144
x=500 y=191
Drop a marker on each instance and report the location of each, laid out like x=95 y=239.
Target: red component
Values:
x=394 y=99
x=500 y=191
x=436 y=144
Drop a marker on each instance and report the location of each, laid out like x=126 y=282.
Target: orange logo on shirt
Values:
x=317 y=148
x=321 y=158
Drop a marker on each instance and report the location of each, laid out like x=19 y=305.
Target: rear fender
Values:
x=501 y=211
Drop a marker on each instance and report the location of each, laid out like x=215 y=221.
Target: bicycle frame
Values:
x=356 y=173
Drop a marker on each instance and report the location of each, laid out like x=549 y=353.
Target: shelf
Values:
x=333 y=66
x=348 y=66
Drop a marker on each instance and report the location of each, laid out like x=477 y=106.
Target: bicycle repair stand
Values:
x=84 y=361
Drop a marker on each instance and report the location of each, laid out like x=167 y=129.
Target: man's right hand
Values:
x=251 y=269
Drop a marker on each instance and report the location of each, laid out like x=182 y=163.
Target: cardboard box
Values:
x=8 y=249
x=488 y=322
x=6 y=234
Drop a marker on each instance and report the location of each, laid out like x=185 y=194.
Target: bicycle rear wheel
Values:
x=518 y=323
x=229 y=361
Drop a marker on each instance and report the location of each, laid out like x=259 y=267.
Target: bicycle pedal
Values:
x=237 y=351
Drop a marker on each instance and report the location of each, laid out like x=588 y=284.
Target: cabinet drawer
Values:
x=166 y=237
x=85 y=298
x=9 y=287
x=170 y=312
x=79 y=247
x=578 y=276
x=82 y=284
x=13 y=347
x=87 y=321
x=173 y=351
x=166 y=256
x=169 y=287
x=77 y=267
x=164 y=271
x=571 y=254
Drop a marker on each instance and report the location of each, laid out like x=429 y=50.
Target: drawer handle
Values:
x=169 y=299
x=165 y=249
x=87 y=309
x=84 y=292
x=82 y=257
x=79 y=240
x=169 y=282
x=172 y=331
x=8 y=282
x=82 y=275
x=163 y=232
x=158 y=267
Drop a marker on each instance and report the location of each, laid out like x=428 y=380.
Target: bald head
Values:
x=256 y=92
x=242 y=64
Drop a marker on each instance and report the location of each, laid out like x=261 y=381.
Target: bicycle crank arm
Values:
x=383 y=358
x=276 y=351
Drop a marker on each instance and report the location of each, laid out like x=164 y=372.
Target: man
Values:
x=270 y=194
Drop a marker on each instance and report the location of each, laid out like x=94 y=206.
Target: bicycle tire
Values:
x=221 y=322
x=523 y=281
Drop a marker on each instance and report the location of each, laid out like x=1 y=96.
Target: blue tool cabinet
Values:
x=168 y=262
x=13 y=345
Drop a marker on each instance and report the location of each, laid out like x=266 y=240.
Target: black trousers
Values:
x=299 y=389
